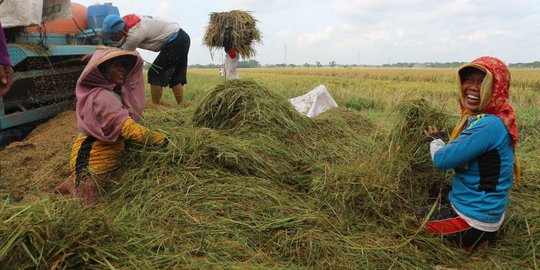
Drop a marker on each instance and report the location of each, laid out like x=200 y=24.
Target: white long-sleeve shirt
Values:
x=151 y=33
x=230 y=67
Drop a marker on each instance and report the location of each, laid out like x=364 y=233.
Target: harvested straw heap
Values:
x=247 y=183
x=234 y=28
x=245 y=106
x=409 y=147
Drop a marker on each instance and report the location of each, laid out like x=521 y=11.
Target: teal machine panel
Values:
x=46 y=71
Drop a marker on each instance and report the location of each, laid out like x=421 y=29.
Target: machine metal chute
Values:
x=46 y=55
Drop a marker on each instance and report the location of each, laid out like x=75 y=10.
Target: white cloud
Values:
x=163 y=8
x=316 y=37
x=376 y=38
x=477 y=37
x=355 y=6
x=284 y=33
x=266 y=6
x=347 y=28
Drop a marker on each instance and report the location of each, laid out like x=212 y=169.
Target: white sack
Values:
x=33 y=12
x=21 y=13
x=314 y=102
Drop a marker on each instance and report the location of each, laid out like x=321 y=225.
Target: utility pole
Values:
x=285 y=55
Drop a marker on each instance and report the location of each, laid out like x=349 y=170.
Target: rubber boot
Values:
x=156 y=91
x=178 y=91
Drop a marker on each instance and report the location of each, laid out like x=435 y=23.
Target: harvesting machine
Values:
x=46 y=41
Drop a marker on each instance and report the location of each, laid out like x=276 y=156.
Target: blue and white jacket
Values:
x=483 y=160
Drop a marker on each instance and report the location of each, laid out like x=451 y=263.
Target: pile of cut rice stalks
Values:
x=247 y=182
x=408 y=150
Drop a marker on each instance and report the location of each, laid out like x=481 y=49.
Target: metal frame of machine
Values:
x=46 y=71
x=46 y=68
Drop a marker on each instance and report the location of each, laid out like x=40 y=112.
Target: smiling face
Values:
x=117 y=68
x=471 y=83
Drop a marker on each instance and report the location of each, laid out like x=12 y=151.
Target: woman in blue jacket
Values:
x=481 y=151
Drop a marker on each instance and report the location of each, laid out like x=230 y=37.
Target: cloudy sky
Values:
x=371 y=32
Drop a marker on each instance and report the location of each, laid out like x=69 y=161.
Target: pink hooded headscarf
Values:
x=100 y=113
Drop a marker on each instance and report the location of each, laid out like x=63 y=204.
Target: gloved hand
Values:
x=432 y=133
x=435 y=145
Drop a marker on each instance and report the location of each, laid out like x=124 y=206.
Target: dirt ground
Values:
x=34 y=166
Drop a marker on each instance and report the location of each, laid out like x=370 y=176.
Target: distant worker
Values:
x=230 y=65
x=234 y=31
x=6 y=68
x=158 y=35
x=481 y=152
x=110 y=101
x=231 y=58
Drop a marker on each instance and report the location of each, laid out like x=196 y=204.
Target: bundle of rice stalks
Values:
x=246 y=107
x=409 y=150
x=357 y=191
x=341 y=118
x=234 y=29
x=342 y=133
x=58 y=235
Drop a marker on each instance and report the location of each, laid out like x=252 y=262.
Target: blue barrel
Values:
x=96 y=14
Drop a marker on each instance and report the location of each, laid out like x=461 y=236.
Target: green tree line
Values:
x=256 y=64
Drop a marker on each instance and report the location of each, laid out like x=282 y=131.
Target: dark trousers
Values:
x=170 y=66
x=447 y=222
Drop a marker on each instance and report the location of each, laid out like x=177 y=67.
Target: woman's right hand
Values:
x=432 y=133
x=6 y=79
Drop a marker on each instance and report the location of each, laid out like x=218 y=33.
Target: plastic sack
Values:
x=314 y=102
x=33 y=12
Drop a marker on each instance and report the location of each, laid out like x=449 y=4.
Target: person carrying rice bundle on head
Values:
x=110 y=100
x=236 y=32
x=481 y=150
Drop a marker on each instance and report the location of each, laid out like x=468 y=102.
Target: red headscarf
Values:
x=494 y=93
x=100 y=113
x=131 y=20
x=494 y=102
x=231 y=53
